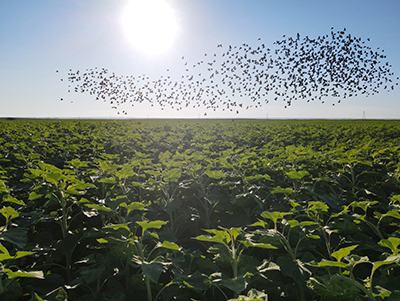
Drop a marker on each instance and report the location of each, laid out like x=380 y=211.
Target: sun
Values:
x=150 y=25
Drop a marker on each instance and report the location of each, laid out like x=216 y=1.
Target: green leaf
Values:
x=164 y=157
x=237 y=284
x=313 y=236
x=3 y=187
x=78 y=163
x=11 y=199
x=3 y=249
x=394 y=199
x=297 y=175
x=108 y=180
x=33 y=196
x=195 y=167
x=339 y=254
x=215 y=238
x=99 y=207
x=196 y=281
x=36 y=297
x=73 y=191
x=279 y=189
x=260 y=223
x=9 y=213
x=91 y=274
x=18 y=274
x=220 y=236
x=364 y=205
x=329 y=263
x=172 y=175
x=151 y=225
x=257 y=177
x=378 y=264
x=233 y=232
x=168 y=245
x=118 y=226
x=275 y=215
x=133 y=206
x=136 y=184
x=393 y=213
x=294 y=223
x=54 y=177
x=316 y=206
x=5 y=256
x=392 y=243
x=61 y=295
x=268 y=266
x=152 y=270
x=21 y=254
x=125 y=172
x=257 y=245
x=104 y=165
x=214 y=174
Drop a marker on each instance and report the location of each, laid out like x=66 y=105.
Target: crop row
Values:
x=199 y=210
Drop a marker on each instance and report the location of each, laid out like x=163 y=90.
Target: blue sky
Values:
x=39 y=37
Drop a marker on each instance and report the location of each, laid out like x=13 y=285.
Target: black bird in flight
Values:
x=333 y=65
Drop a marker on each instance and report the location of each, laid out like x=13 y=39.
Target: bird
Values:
x=293 y=68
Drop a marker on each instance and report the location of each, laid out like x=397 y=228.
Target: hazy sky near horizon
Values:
x=39 y=37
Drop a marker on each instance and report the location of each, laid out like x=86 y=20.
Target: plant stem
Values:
x=148 y=288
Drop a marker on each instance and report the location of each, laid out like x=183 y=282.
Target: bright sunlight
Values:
x=150 y=25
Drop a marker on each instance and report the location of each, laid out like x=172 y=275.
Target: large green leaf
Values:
x=16 y=236
x=164 y=157
x=330 y=263
x=54 y=177
x=237 y=284
x=133 y=206
x=9 y=213
x=214 y=174
x=279 y=189
x=392 y=213
x=168 y=245
x=118 y=227
x=339 y=254
x=153 y=270
x=196 y=281
x=257 y=178
x=172 y=175
x=316 y=206
x=387 y=261
x=274 y=215
x=297 y=175
x=223 y=236
x=99 y=207
x=216 y=238
x=33 y=196
x=18 y=274
x=110 y=180
x=125 y=172
x=257 y=245
x=151 y=225
x=392 y=243
x=11 y=199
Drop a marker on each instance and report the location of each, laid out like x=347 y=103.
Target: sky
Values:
x=39 y=37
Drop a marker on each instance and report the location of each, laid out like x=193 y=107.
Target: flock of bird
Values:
x=239 y=77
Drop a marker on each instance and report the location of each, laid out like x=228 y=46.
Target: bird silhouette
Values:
x=333 y=65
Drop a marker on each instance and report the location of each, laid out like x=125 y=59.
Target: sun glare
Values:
x=150 y=25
